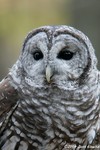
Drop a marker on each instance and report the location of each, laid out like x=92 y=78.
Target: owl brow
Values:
x=72 y=34
x=48 y=32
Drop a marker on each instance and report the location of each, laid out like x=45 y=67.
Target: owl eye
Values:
x=65 y=54
x=38 y=55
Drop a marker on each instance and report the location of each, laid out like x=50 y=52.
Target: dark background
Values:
x=18 y=17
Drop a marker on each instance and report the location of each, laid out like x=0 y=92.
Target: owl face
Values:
x=55 y=56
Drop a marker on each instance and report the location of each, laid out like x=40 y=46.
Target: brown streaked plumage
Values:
x=8 y=96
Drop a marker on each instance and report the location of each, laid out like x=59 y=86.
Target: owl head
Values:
x=59 y=55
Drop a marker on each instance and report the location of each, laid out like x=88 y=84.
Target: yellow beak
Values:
x=48 y=73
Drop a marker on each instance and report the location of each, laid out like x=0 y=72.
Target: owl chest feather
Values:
x=52 y=114
x=52 y=117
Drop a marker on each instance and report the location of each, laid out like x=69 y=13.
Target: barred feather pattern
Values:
x=51 y=116
x=49 y=120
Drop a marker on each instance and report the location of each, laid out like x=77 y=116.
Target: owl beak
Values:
x=48 y=73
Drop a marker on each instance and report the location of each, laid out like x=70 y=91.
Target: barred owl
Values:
x=50 y=98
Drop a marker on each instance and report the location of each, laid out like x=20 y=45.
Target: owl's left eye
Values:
x=38 y=55
x=65 y=54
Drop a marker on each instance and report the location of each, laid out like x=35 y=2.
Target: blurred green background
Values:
x=18 y=17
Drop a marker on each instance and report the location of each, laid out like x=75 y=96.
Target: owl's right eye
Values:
x=37 y=55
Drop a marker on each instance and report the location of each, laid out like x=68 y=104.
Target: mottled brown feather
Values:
x=8 y=96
